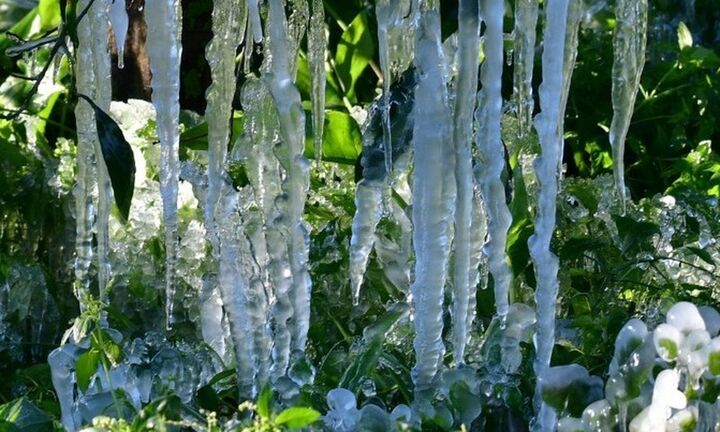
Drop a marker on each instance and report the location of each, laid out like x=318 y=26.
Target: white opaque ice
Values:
x=685 y=317
x=119 y=21
x=663 y=335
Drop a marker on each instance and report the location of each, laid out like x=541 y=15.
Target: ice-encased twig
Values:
x=549 y=126
x=492 y=153
x=433 y=160
x=317 y=46
x=466 y=89
x=526 y=16
x=164 y=51
x=629 y=41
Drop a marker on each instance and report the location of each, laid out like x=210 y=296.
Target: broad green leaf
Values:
x=714 y=363
x=685 y=39
x=118 y=157
x=342 y=141
x=297 y=417
x=85 y=367
x=264 y=401
x=354 y=52
x=49 y=11
x=333 y=99
x=196 y=137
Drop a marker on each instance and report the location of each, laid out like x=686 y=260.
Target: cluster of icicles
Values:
x=459 y=211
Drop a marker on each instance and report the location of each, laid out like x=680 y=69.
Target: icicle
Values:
x=478 y=231
x=101 y=95
x=317 y=45
x=368 y=211
x=430 y=213
x=119 y=20
x=549 y=126
x=629 y=48
x=385 y=19
x=576 y=11
x=466 y=88
x=492 y=153
x=164 y=50
x=526 y=16
x=220 y=55
x=291 y=205
x=254 y=25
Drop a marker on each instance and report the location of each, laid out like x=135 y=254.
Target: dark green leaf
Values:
x=118 y=157
x=702 y=254
x=297 y=417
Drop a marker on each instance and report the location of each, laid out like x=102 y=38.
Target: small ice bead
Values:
x=341 y=399
x=685 y=317
x=667 y=341
x=711 y=318
x=598 y=416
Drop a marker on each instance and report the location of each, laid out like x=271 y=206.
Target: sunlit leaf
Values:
x=297 y=417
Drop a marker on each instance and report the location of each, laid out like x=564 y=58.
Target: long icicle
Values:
x=492 y=154
x=297 y=181
x=101 y=95
x=317 y=45
x=433 y=161
x=383 y=13
x=220 y=54
x=549 y=126
x=629 y=42
x=164 y=51
x=526 y=16
x=468 y=47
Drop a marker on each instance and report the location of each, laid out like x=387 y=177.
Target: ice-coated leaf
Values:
x=685 y=39
x=118 y=157
x=85 y=367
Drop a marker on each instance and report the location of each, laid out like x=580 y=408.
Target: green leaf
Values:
x=670 y=347
x=354 y=52
x=297 y=417
x=264 y=401
x=342 y=141
x=49 y=11
x=685 y=39
x=85 y=367
x=714 y=363
x=702 y=254
x=22 y=415
x=118 y=157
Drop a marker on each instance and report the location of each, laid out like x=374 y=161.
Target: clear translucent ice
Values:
x=492 y=153
x=291 y=205
x=466 y=89
x=430 y=215
x=526 y=16
x=317 y=45
x=629 y=50
x=164 y=51
x=549 y=125
x=119 y=21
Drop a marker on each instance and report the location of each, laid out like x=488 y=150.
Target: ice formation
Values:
x=317 y=46
x=629 y=49
x=489 y=170
x=526 y=17
x=119 y=21
x=431 y=195
x=164 y=51
x=549 y=125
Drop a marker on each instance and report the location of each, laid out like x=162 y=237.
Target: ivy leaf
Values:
x=118 y=157
x=297 y=417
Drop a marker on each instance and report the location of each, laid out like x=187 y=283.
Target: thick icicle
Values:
x=478 y=231
x=629 y=49
x=466 y=89
x=119 y=21
x=317 y=45
x=291 y=205
x=492 y=153
x=526 y=16
x=254 y=26
x=549 y=126
x=433 y=160
x=220 y=55
x=368 y=211
x=164 y=50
